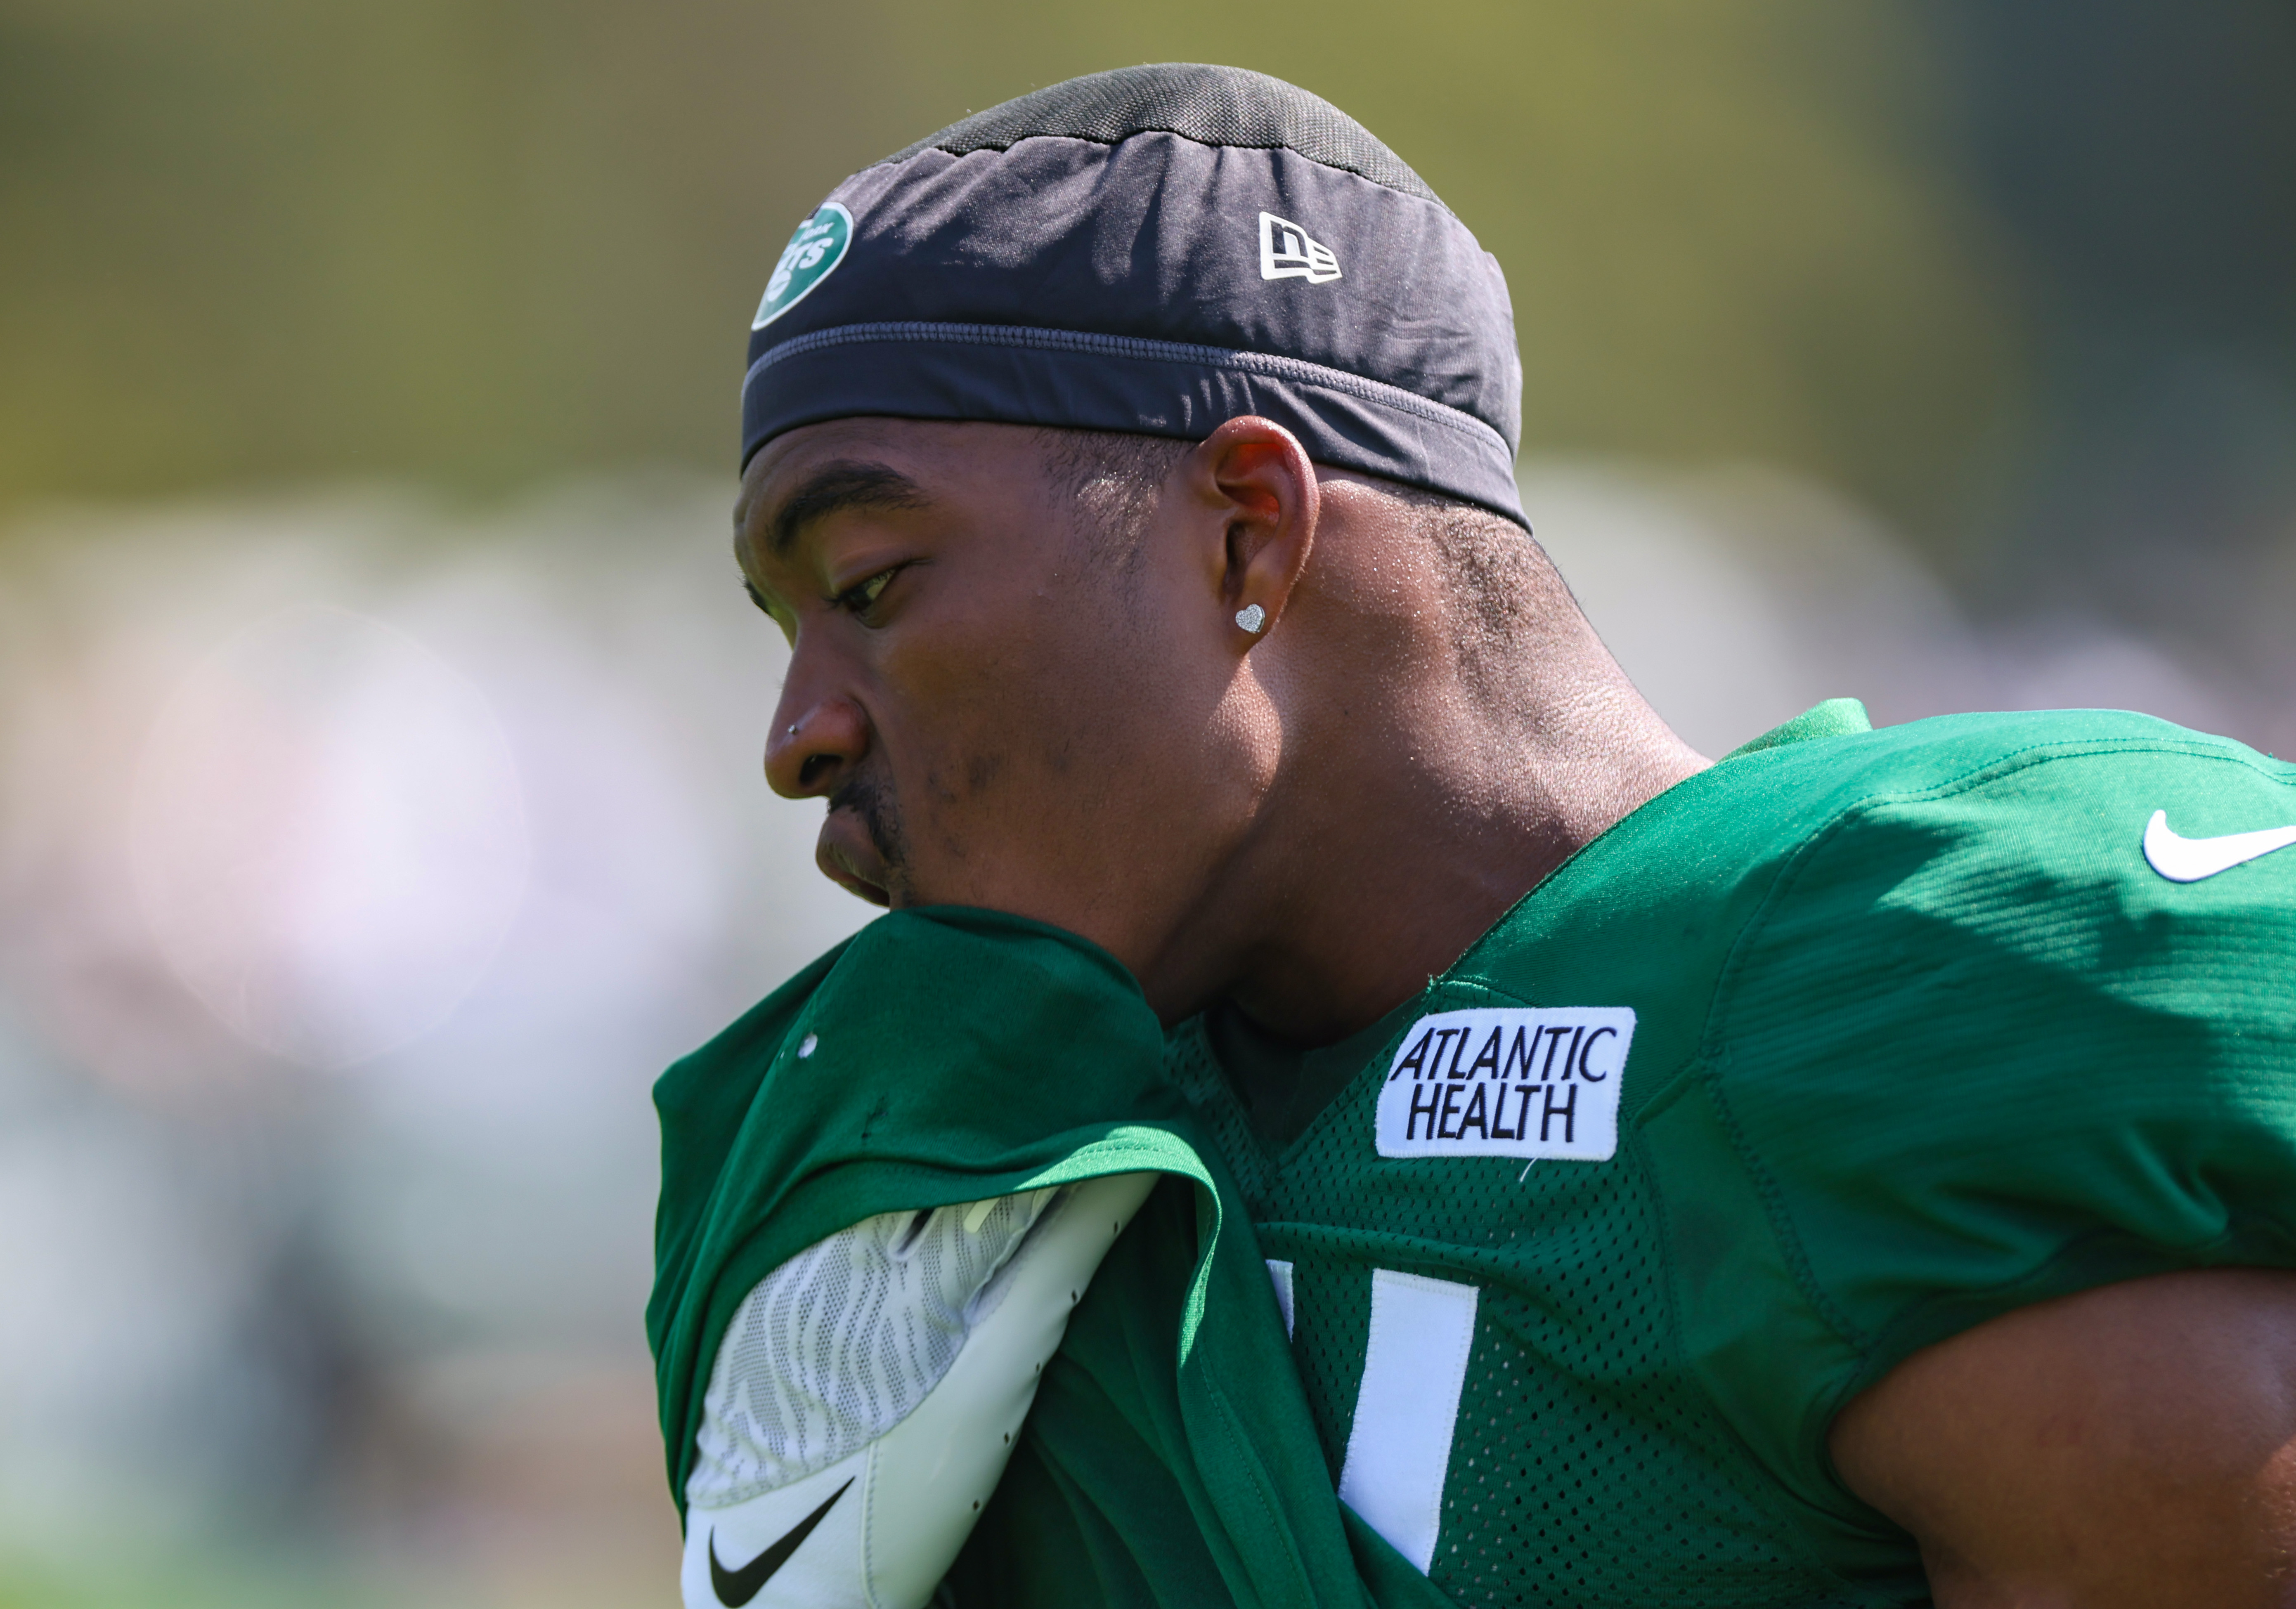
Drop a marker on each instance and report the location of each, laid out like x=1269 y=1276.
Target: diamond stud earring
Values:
x=1251 y=617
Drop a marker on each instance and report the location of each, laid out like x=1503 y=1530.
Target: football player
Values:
x=1344 y=1105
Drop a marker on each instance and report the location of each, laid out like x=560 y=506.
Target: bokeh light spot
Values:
x=328 y=835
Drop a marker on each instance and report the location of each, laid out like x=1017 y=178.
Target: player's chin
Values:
x=847 y=858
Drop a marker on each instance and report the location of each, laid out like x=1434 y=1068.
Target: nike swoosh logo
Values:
x=2190 y=859
x=736 y=1587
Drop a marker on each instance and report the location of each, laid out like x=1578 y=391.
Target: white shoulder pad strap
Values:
x=866 y=1395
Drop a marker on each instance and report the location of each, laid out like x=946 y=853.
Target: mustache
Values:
x=872 y=802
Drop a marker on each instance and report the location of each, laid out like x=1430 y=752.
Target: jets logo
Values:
x=1286 y=251
x=1526 y=1084
x=818 y=247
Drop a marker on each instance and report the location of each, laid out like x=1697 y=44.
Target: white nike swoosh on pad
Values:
x=2190 y=859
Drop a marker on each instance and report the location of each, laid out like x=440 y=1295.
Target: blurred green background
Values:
x=1943 y=354
x=1940 y=258
x=487 y=241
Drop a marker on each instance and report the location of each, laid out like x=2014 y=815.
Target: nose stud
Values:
x=1251 y=617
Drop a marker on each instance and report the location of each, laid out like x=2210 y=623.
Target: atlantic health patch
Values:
x=1508 y=1083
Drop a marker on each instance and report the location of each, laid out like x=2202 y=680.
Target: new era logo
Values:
x=1287 y=253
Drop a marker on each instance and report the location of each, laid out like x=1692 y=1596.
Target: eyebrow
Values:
x=837 y=486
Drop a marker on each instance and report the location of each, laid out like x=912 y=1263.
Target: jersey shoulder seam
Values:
x=1713 y=1054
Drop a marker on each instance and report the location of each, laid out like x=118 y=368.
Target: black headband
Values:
x=1154 y=250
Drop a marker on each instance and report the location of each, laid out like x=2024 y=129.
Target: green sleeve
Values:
x=944 y=1056
x=1974 y=1053
x=939 y=1056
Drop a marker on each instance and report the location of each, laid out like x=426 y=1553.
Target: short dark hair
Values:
x=1111 y=479
x=1108 y=482
x=1502 y=573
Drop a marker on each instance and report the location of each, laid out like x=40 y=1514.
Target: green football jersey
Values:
x=1852 y=1042
x=1557 y=1275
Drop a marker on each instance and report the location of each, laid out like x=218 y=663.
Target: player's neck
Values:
x=1403 y=834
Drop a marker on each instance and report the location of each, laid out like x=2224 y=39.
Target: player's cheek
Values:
x=993 y=735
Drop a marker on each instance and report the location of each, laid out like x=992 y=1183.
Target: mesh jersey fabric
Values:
x=837 y=1345
x=1922 y=1040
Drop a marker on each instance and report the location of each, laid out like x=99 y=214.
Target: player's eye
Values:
x=779 y=616
x=860 y=599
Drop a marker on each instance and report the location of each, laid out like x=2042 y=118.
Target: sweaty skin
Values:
x=1308 y=822
x=1099 y=745
x=2131 y=1447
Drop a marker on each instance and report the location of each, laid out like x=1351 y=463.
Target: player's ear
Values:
x=1255 y=480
